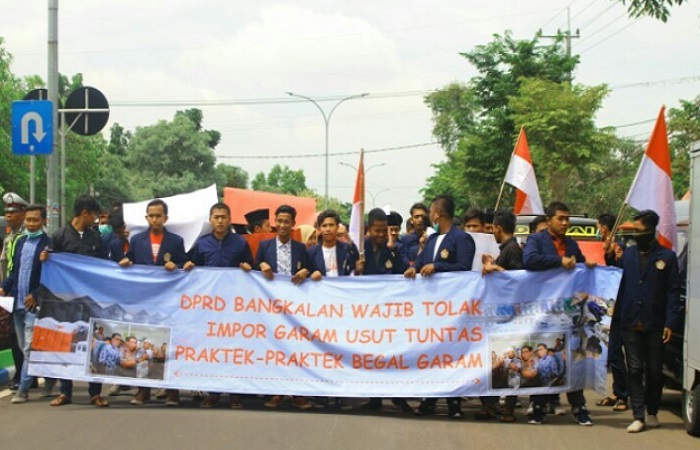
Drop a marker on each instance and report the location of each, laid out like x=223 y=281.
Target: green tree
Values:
x=230 y=176
x=282 y=180
x=474 y=121
x=171 y=158
x=14 y=170
x=559 y=120
x=658 y=9
x=684 y=128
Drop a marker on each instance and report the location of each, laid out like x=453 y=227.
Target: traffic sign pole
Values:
x=52 y=202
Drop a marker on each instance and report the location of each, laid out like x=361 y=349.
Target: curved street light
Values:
x=326 y=121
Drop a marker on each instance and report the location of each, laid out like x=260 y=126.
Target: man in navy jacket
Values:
x=288 y=257
x=221 y=248
x=550 y=249
x=331 y=257
x=156 y=247
x=648 y=303
x=449 y=249
x=283 y=254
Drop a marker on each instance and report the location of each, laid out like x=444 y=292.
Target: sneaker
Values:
x=636 y=427
x=454 y=409
x=537 y=416
x=301 y=403
x=173 y=397
x=425 y=409
x=530 y=408
x=47 y=389
x=161 y=394
x=274 y=402
x=113 y=390
x=20 y=397
x=559 y=410
x=653 y=421
x=581 y=416
x=142 y=396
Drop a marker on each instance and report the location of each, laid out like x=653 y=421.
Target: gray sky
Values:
x=157 y=52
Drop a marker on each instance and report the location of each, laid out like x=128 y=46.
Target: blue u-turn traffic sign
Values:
x=32 y=127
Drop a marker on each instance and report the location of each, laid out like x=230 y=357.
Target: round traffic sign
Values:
x=87 y=123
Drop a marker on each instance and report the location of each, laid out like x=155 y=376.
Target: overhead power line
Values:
x=322 y=155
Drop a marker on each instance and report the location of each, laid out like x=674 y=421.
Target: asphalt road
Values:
x=123 y=426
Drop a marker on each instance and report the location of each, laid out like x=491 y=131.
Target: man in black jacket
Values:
x=649 y=305
x=81 y=238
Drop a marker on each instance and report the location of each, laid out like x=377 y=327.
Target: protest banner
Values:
x=226 y=330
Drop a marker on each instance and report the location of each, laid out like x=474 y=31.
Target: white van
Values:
x=691 y=352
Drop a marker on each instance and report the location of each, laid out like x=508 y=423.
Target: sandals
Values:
x=608 y=401
x=99 y=401
x=61 y=400
x=620 y=405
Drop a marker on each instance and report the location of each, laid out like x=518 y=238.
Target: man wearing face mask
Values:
x=449 y=249
x=648 y=302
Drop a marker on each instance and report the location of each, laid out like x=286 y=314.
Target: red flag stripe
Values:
x=658 y=150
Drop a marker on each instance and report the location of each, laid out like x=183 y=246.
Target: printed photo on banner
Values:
x=529 y=360
x=127 y=350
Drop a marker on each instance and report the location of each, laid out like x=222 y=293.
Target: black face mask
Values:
x=644 y=239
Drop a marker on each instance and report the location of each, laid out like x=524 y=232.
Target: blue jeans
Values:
x=24 y=329
x=616 y=361
x=644 y=351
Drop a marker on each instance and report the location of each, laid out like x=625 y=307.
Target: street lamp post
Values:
x=327 y=121
x=366 y=170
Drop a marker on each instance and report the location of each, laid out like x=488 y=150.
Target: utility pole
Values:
x=567 y=37
x=52 y=204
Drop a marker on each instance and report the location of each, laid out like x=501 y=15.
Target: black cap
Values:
x=394 y=219
x=257 y=216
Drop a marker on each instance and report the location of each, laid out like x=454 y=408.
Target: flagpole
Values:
x=500 y=194
x=361 y=244
x=613 y=232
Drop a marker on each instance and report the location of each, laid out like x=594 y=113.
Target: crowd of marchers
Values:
x=433 y=241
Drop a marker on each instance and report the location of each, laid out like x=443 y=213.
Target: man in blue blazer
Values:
x=282 y=254
x=550 y=249
x=288 y=257
x=649 y=309
x=21 y=284
x=383 y=253
x=331 y=257
x=156 y=247
x=449 y=249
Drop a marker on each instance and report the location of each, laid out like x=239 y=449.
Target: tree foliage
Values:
x=281 y=180
x=684 y=128
x=559 y=123
x=474 y=121
x=658 y=9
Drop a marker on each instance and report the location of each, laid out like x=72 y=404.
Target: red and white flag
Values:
x=357 y=215
x=521 y=175
x=652 y=187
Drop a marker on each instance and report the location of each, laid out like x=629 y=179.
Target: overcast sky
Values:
x=147 y=55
